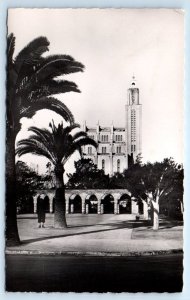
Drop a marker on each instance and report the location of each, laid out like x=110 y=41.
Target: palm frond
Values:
x=68 y=129
x=22 y=150
x=27 y=61
x=31 y=54
x=52 y=87
x=76 y=146
x=57 y=145
x=35 y=90
x=35 y=146
x=44 y=134
x=42 y=137
x=50 y=58
x=56 y=66
x=85 y=141
x=79 y=135
x=28 y=110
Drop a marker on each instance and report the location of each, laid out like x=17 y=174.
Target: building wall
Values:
x=111 y=154
x=133 y=129
x=116 y=143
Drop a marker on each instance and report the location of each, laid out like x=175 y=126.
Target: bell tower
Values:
x=133 y=129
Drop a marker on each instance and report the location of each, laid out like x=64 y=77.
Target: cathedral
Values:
x=118 y=146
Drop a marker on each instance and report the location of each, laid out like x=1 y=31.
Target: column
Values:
x=102 y=209
x=72 y=208
x=111 y=163
x=99 y=204
x=116 y=206
x=67 y=203
x=87 y=208
x=83 y=204
x=35 y=203
x=67 y=206
x=51 y=196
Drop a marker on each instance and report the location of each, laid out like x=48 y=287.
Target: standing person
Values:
x=41 y=210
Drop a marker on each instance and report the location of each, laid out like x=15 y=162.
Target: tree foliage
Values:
x=32 y=82
x=27 y=182
x=57 y=145
x=155 y=183
x=87 y=176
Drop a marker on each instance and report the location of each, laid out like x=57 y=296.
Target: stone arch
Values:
x=107 y=200
x=75 y=203
x=91 y=202
x=124 y=204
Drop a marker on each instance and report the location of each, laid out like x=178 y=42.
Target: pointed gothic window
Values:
x=89 y=150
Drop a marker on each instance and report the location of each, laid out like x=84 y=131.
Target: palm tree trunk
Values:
x=59 y=212
x=12 y=236
x=181 y=207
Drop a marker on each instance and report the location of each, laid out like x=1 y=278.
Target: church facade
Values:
x=118 y=146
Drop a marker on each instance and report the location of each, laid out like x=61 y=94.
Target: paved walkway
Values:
x=97 y=235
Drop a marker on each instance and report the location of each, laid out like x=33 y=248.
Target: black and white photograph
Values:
x=94 y=160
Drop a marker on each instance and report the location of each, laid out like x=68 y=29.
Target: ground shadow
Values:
x=129 y=224
x=114 y=226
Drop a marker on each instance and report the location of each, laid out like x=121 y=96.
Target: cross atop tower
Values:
x=133 y=82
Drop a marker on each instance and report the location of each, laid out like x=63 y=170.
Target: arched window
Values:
x=89 y=150
x=103 y=164
x=118 y=165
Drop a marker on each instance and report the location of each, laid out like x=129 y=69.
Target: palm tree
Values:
x=57 y=145
x=31 y=82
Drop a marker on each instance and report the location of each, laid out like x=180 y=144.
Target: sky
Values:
x=114 y=44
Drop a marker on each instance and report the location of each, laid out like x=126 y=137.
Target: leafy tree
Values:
x=117 y=181
x=27 y=182
x=153 y=182
x=129 y=178
x=57 y=146
x=172 y=203
x=87 y=176
x=138 y=159
x=31 y=82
